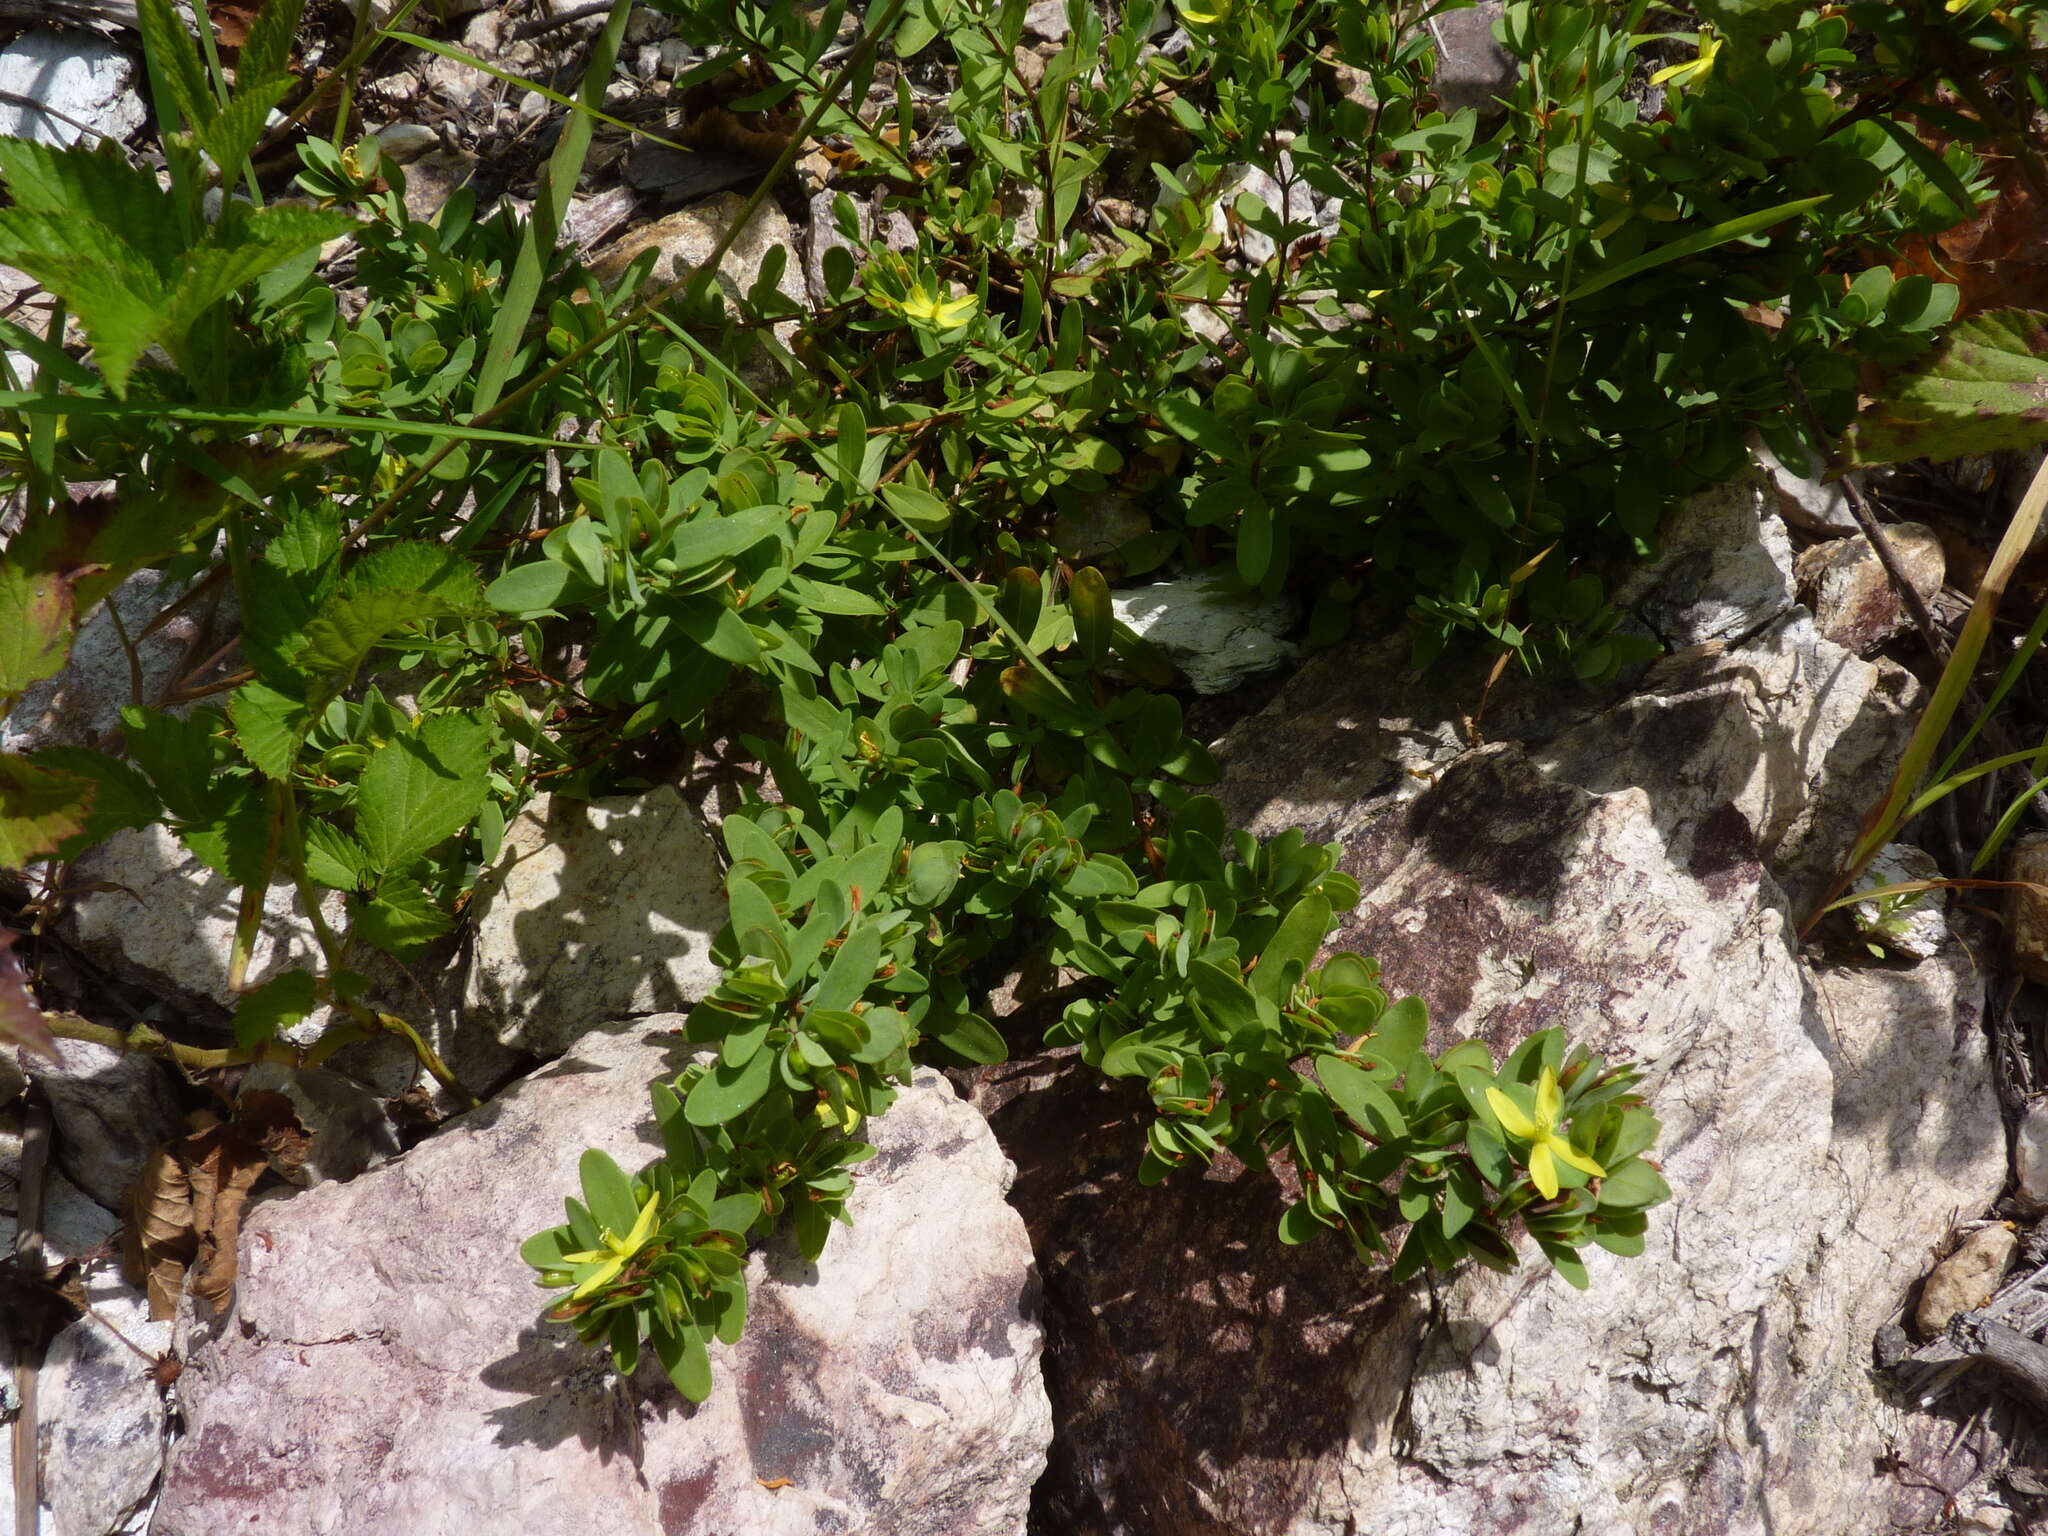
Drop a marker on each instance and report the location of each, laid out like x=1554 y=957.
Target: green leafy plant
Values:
x=1419 y=379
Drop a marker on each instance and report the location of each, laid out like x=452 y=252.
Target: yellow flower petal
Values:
x=598 y=1277
x=1548 y=1099
x=1543 y=1171
x=1568 y=1153
x=1510 y=1115
x=642 y=1229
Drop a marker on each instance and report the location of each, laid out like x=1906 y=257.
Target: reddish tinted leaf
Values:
x=21 y=1021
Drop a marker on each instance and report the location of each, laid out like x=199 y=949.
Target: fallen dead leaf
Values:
x=185 y=1213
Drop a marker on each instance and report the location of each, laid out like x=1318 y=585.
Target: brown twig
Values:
x=28 y=1253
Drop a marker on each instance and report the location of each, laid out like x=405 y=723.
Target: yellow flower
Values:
x=928 y=306
x=1206 y=16
x=1546 y=1147
x=1693 y=70
x=611 y=1258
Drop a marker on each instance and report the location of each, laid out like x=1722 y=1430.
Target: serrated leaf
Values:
x=35 y=627
x=178 y=755
x=234 y=837
x=40 y=810
x=172 y=51
x=416 y=566
x=349 y=626
x=281 y=1001
x=121 y=797
x=335 y=859
x=240 y=252
x=402 y=918
x=1985 y=389
x=238 y=126
x=269 y=724
x=421 y=788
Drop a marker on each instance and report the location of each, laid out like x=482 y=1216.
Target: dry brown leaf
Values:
x=158 y=1241
x=186 y=1209
x=231 y=22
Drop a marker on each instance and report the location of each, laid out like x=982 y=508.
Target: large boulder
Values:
x=385 y=1369
x=1631 y=864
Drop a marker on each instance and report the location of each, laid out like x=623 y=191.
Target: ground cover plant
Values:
x=502 y=527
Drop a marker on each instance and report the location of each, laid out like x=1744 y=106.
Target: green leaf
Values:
x=608 y=1192
x=687 y=1361
x=351 y=625
x=851 y=970
x=421 y=788
x=1401 y=1030
x=534 y=588
x=1200 y=427
x=1291 y=950
x=1633 y=1186
x=415 y=566
x=280 y=1001
x=335 y=859
x=35 y=627
x=726 y=1092
x=968 y=1036
x=1094 y=619
x=121 y=797
x=175 y=55
x=178 y=755
x=1353 y=1091
x=269 y=724
x=40 y=810
x=1985 y=389
x=920 y=508
x=402 y=918
x=706 y=539
x=1692 y=245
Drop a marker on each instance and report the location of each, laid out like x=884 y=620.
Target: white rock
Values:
x=1913 y=926
x=596 y=910
x=102 y=1419
x=1047 y=19
x=1472 y=70
x=110 y=1110
x=167 y=920
x=825 y=235
x=1723 y=571
x=1218 y=636
x=2030 y=1154
x=1805 y=500
x=57 y=81
x=385 y=1372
